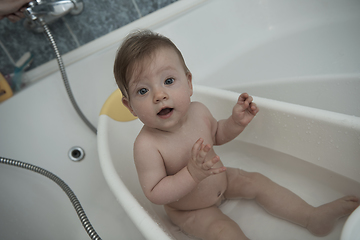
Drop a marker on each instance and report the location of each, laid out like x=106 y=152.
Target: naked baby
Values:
x=174 y=156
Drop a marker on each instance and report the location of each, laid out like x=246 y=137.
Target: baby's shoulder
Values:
x=199 y=107
x=144 y=138
x=200 y=110
x=197 y=104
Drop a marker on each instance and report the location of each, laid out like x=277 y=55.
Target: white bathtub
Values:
x=228 y=44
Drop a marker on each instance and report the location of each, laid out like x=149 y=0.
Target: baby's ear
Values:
x=189 y=78
x=126 y=103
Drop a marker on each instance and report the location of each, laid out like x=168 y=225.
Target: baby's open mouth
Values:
x=164 y=111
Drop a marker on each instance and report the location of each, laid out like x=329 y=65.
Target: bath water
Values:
x=314 y=184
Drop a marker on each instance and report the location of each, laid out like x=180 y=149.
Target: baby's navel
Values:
x=219 y=194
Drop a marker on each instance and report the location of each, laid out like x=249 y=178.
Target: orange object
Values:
x=5 y=89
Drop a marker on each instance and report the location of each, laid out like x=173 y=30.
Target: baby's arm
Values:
x=243 y=112
x=162 y=189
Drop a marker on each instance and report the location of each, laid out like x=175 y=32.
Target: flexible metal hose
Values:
x=64 y=76
x=74 y=200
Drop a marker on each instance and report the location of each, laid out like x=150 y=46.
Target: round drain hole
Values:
x=76 y=154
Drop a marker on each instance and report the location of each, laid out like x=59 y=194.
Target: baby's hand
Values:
x=199 y=167
x=244 y=110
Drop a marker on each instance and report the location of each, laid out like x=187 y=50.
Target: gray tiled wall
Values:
x=98 y=18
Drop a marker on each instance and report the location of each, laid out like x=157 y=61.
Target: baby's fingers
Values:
x=210 y=163
x=200 y=151
x=209 y=166
x=245 y=100
x=243 y=97
x=218 y=170
x=253 y=108
x=196 y=148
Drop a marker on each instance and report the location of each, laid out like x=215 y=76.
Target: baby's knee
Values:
x=239 y=173
x=253 y=183
x=256 y=177
x=222 y=229
x=225 y=229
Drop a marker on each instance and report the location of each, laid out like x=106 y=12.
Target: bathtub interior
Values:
x=320 y=61
x=303 y=168
x=319 y=47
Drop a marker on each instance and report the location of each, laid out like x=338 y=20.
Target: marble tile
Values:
x=5 y=65
x=9 y=36
x=18 y=41
x=149 y=6
x=101 y=17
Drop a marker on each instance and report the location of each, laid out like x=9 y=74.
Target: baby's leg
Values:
x=207 y=224
x=283 y=203
x=324 y=218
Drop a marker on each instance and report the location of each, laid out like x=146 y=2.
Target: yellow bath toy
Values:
x=114 y=108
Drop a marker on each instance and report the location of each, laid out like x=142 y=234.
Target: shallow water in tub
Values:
x=314 y=184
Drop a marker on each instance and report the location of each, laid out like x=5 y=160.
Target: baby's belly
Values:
x=208 y=193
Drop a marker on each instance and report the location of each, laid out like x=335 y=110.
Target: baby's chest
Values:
x=176 y=156
x=176 y=152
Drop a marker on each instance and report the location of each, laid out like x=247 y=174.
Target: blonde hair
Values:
x=136 y=47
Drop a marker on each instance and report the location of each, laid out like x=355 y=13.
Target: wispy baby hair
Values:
x=138 y=46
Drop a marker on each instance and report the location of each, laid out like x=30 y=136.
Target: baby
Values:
x=174 y=155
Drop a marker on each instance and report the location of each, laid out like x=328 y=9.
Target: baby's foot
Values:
x=323 y=219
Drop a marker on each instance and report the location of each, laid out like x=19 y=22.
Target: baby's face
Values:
x=160 y=94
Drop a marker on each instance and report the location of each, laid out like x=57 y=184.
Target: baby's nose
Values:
x=160 y=95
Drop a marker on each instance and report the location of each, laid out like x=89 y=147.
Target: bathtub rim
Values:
x=325 y=115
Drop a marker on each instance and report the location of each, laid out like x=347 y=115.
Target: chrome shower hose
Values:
x=74 y=200
x=64 y=76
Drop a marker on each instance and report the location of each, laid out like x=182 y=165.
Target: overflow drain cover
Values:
x=76 y=154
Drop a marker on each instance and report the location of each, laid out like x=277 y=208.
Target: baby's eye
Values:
x=169 y=81
x=142 y=91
